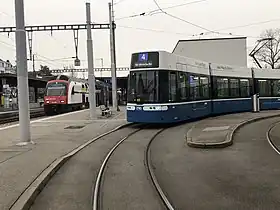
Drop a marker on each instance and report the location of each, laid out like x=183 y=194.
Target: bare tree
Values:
x=45 y=71
x=269 y=53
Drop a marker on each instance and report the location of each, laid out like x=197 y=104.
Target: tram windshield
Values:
x=56 y=89
x=142 y=87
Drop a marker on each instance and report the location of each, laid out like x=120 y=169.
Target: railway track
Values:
x=8 y=117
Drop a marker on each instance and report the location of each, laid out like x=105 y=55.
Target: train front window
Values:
x=143 y=87
x=56 y=89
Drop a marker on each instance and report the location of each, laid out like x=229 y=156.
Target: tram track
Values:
x=97 y=187
x=152 y=174
x=98 y=198
x=45 y=195
x=270 y=138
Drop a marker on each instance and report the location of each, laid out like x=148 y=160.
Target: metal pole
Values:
x=101 y=67
x=33 y=60
x=22 y=74
x=113 y=64
x=115 y=59
x=91 y=78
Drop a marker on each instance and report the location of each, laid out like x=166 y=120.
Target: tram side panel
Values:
x=268 y=88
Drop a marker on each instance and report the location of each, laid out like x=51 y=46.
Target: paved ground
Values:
x=216 y=131
x=126 y=184
x=72 y=186
x=20 y=165
x=243 y=176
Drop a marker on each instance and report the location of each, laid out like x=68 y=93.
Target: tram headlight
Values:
x=130 y=108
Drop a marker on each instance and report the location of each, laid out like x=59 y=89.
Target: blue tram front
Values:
x=159 y=93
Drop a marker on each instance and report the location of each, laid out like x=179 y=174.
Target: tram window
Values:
x=151 y=86
x=194 y=87
x=222 y=87
x=264 y=87
x=234 y=87
x=172 y=86
x=275 y=88
x=163 y=86
x=244 y=88
x=204 y=85
x=142 y=87
x=183 y=81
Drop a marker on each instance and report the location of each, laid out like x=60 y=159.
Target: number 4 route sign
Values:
x=143 y=57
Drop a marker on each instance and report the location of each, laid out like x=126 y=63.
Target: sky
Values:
x=150 y=32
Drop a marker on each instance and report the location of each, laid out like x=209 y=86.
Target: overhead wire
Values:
x=13 y=48
x=198 y=26
x=154 y=30
x=250 y=24
x=178 y=18
x=118 y=2
x=153 y=12
x=64 y=46
x=175 y=6
x=208 y=31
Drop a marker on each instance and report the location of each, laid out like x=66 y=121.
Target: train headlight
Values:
x=164 y=108
x=62 y=101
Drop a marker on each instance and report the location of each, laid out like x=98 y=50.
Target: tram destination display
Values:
x=145 y=60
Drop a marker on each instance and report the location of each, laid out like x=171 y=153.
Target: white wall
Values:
x=229 y=51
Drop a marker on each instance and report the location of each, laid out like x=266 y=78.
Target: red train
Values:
x=68 y=94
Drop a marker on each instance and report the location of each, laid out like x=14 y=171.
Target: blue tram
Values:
x=167 y=88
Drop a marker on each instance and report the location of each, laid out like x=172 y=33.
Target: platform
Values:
x=218 y=131
x=31 y=106
x=53 y=137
